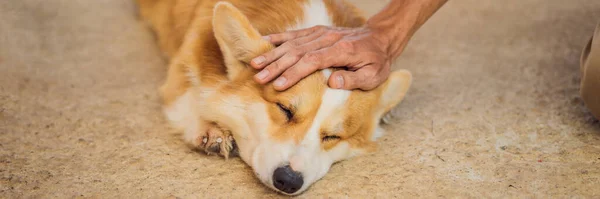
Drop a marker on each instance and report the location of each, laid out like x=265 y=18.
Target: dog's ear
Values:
x=394 y=89
x=238 y=40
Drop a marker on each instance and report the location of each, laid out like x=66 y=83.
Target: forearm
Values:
x=399 y=20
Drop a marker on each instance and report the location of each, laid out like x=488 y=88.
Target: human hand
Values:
x=361 y=51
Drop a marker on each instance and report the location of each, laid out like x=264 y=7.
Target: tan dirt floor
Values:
x=494 y=111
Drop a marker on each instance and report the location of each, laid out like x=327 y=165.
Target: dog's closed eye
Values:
x=288 y=113
x=330 y=138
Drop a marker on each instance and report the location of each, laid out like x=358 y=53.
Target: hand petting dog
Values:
x=366 y=53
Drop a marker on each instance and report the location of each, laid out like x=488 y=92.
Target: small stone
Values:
x=219 y=140
x=204 y=140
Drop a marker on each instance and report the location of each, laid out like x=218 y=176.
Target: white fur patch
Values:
x=315 y=13
x=316 y=163
x=326 y=73
x=378 y=133
x=180 y=113
x=331 y=101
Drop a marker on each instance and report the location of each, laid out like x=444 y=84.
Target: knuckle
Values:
x=293 y=75
x=288 y=44
x=369 y=74
x=352 y=82
x=345 y=44
x=312 y=58
x=293 y=43
x=332 y=35
x=295 y=54
x=286 y=74
x=276 y=66
x=367 y=85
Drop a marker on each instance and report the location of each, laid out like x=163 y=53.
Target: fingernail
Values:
x=262 y=74
x=259 y=60
x=339 y=81
x=268 y=38
x=279 y=82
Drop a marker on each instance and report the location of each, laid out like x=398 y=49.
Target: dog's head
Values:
x=291 y=138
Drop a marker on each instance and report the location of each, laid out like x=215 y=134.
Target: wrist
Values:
x=399 y=21
x=392 y=35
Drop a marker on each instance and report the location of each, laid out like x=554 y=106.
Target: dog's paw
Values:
x=217 y=140
x=214 y=139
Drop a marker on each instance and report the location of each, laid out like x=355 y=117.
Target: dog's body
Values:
x=289 y=138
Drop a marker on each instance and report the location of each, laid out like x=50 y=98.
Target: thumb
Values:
x=343 y=79
x=364 y=78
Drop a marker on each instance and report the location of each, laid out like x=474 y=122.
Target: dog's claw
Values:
x=214 y=148
x=212 y=141
x=387 y=118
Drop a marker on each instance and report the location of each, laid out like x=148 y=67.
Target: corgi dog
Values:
x=289 y=138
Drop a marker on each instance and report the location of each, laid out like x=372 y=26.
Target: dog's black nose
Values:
x=287 y=180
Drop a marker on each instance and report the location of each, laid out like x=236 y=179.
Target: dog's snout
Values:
x=287 y=180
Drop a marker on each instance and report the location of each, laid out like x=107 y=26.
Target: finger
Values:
x=280 y=38
x=308 y=64
x=290 y=59
x=312 y=61
x=268 y=57
x=365 y=78
x=276 y=68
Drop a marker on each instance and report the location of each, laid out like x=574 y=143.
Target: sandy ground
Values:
x=494 y=111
